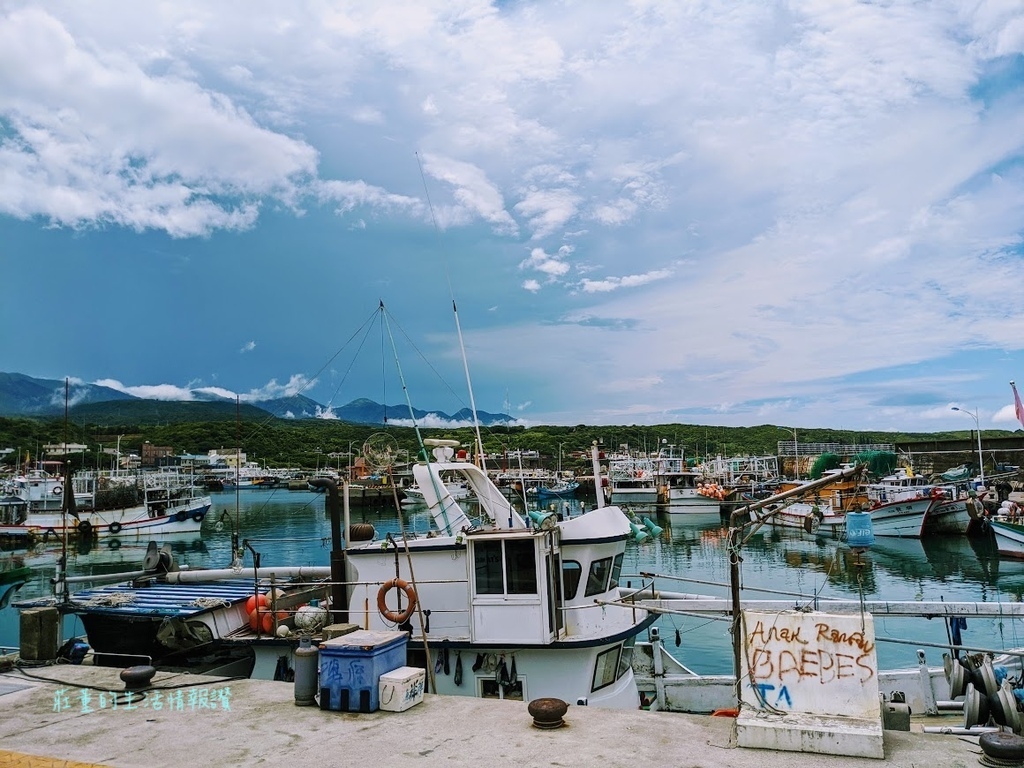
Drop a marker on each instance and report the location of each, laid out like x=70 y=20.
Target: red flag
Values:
x=1017 y=407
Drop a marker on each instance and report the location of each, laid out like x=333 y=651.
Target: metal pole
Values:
x=981 y=459
x=339 y=593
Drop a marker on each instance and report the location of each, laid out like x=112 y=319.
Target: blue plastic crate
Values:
x=351 y=666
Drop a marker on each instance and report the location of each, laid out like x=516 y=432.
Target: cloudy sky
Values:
x=800 y=213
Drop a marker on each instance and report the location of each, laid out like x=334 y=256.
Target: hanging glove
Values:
x=458 y=667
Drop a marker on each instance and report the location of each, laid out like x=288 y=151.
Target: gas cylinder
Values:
x=307 y=657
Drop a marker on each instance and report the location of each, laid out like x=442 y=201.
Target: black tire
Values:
x=198 y=516
x=181 y=516
x=115 y=527
x=114 y=544
x=84 y=529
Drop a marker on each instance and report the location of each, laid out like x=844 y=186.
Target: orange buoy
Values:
x=254 y=601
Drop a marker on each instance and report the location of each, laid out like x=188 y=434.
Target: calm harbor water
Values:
x=292 y=528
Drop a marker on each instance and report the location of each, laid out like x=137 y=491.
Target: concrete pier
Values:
x=53 y=719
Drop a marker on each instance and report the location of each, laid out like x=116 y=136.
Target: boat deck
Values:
x=154 y=599
x=44 y=722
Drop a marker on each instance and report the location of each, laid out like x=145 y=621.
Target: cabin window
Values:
x=571 y=573
x=506 y=567
x=616 y=572
x=606 y=668
x=626 y=659
x=487 y=556
x=521 y=567
x=597 y=580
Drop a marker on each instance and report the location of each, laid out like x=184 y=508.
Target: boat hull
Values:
x=634 y=495
x=172 y=519
x=1009 y=538
x=682 y=501
x=904 y=519
x=949 y=518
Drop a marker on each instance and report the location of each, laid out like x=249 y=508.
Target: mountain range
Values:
x=25 y=396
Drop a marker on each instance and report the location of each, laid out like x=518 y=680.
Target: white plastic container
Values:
x=401 y=689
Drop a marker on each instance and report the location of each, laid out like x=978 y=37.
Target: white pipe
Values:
x=280 y=572
x=345 y=506
x=102 y=577
x=597 y=475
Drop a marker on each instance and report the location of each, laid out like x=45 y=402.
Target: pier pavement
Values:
x=70 y=716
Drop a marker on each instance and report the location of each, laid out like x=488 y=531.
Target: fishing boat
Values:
x=153 y=504
x=185 y=620
x=631 y=481
x=563 y=486
x=955 y=512
x=1008 y=531
x=511 y=598
x=808 y=516
x=904 y=518
x=458 y=490
x=680 y=487
x=563 y=489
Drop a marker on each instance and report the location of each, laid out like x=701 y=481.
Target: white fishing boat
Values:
x=808 y=516
x=1009 y=535
x=904 y=518
x=901 y=485
x=631 y=480
x=953 y=513
x=511 y=599
x=458 y=490
x=681 y=488
x=155 y=504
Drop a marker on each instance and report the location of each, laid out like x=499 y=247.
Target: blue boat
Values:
x=563 y=489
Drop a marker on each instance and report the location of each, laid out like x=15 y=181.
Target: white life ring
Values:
x=57 y=490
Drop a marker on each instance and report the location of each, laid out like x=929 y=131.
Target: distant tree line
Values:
x=310 y=443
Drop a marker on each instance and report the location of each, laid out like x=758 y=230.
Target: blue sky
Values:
x=806 y=214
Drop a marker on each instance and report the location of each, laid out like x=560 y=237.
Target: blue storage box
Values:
x=351 y=666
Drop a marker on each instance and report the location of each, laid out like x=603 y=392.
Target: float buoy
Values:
x=382 y=606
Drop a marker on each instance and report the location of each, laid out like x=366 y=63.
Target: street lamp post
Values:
x=981 y=459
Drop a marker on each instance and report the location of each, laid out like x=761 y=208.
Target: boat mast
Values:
x=469 y=385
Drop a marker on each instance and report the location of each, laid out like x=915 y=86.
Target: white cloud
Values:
x=553 y=266
x=472 y=190
x=547 y=209
x=169 y=392
x=93 y=139
x=249 y=346
x=296 y=385
x=628 y=281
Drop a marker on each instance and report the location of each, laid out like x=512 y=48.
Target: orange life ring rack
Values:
x=382 y=606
